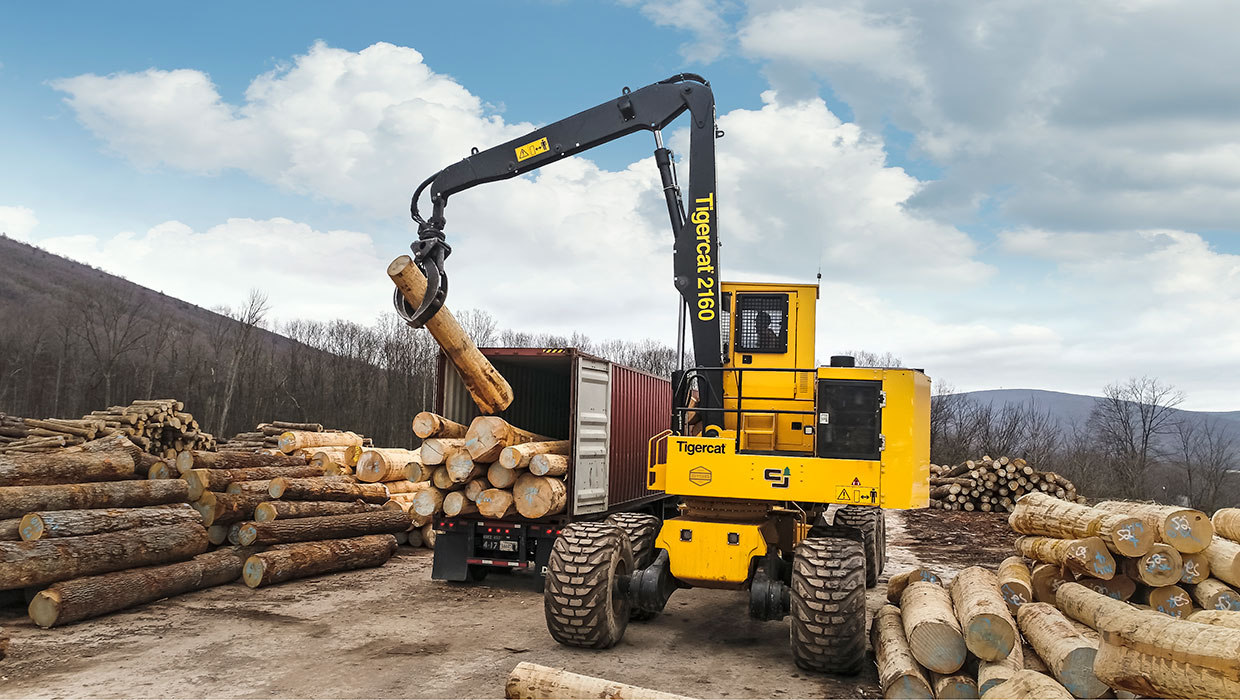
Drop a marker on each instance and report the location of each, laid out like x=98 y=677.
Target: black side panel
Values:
x=451 y=551
x=849 y=418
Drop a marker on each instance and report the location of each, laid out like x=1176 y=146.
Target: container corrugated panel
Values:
x=641 y=407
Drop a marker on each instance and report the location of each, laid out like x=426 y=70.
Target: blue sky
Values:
x=1007 y=193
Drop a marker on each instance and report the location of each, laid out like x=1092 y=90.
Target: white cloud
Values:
x=305 y=273
x=1107 y=115
x=17 y=222
x=701 y=18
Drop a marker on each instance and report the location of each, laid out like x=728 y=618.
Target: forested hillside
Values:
x=74 y=339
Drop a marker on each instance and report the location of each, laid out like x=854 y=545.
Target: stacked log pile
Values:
x=1098 y=601
x=266 y=437
x=159 y=427
x=993 y=484
x=490 y=468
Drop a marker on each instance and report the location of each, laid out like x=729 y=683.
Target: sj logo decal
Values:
x=778 y=477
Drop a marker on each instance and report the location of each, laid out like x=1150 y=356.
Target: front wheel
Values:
x=582 y=598
x=828 y=605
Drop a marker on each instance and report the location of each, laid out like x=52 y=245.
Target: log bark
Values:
x=262 y=486
x=325 y=457
x=1213 y=594
x=899 y=675
x=533 y=682
x=405 y=486
x=75 y=523
x=1161 y=566
x=934 y=635
x=1185 y=529
x=430 y=425
x=92 y=596
x=1047 y=516
x=274 y=510
x=1222 y=618
x=897 y=583
x=1155 y=655
x=287 y=425
x=959 y=686
x=496 y=504
x=226 y=509
x=313 y=558
x=1168 y=600
x=992 y=673
x=490 y=391
x=1015 y=584
x=518 y=456
x=199 y=459
x=549 y=465
x=1119 y=587
x=385 y=464
x=293 y=440
x=456 y=503
x=1046 y=579
x=203 y=480
x=1066 y=650
x=989 y=630
x=1223 y=555
x=1028 y=685
x=325 y=527
x=10 y=529
x=327 y=488
x=60 y=467
x=1226 y=522
x=502 y=478
x=489 y=435
x=462 y=468
x=435 y=451
x=61 y=558
x=428 y=502
x=1087 y=556
x=539 y=496
x=16 y=501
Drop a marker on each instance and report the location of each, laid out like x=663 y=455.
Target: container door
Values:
x=592 y=425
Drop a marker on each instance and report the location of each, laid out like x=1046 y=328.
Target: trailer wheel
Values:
x=828 y=605
x=582 y=598
x=642 y=530
x=869 y=522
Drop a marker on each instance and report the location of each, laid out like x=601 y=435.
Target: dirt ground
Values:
x=392 y=632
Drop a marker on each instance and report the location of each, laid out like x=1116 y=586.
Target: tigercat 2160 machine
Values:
x=783 y=468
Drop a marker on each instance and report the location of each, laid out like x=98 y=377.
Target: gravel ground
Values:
x=392 y=632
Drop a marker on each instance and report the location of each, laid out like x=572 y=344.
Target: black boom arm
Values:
x=696 y=266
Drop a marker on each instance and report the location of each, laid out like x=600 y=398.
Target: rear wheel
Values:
x=642 y=530
x=582 y=599
x=870 y=523
x=828 y=605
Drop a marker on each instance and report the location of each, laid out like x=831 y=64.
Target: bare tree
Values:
x=1128 y=423
x=112 y=328
x=866 y=358
x=249 y=319
x=1205 y=454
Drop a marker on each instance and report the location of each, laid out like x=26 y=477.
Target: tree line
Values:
x=238 y=367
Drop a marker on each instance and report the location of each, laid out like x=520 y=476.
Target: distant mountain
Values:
x=1075 y=408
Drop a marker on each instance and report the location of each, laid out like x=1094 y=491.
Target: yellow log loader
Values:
x=783 y=467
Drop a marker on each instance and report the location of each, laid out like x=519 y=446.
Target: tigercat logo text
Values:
x=703 y=209
x=694 y=448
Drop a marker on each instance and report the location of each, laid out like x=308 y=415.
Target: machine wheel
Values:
x=870 y=522
x=642 y=530
x=582 y=599
x=828 y=605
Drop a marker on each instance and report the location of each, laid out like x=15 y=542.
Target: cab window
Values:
x=762 y=323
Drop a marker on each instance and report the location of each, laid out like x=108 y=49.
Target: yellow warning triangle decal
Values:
x=843 y=495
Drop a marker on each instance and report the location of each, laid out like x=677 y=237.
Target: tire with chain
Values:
x=582 y=600
x=642 y=530
x=869 y=522
x=828 y=605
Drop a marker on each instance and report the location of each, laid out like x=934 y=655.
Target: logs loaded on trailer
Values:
x=993 y=484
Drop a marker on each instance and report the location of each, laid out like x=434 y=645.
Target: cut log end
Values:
x=44 y=608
